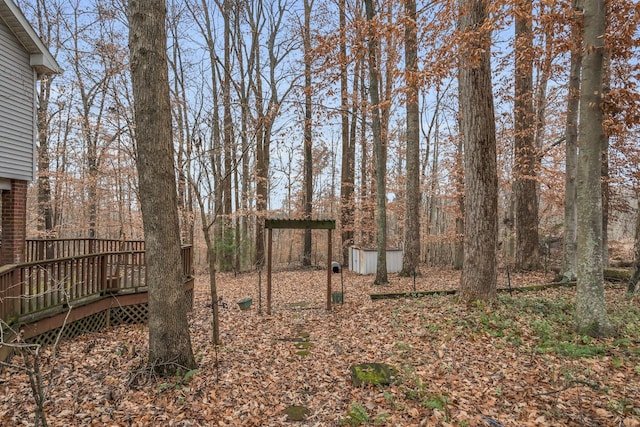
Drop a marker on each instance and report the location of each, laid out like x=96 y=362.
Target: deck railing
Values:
x=39 y=288
x=44 y=249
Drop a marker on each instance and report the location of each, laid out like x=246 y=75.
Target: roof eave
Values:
x=41 y=59
x=44 y=64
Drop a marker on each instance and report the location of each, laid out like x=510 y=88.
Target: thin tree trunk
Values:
x=632 y=286
x=45 y=220
x=367 y=214
x=185 y=207
x=244 y=248
x=569 y=243
x=524 y=186
x=458 y=260
x=308 y=158
x=379 y=149
x=348 y=143
x=604 y=181
x=227 y=248
x=226 y=263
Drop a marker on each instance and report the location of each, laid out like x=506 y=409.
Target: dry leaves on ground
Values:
x=458 y=366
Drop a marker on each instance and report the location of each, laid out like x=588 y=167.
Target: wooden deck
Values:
x=76 y=281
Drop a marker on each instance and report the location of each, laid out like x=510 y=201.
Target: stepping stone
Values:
x=373 y=373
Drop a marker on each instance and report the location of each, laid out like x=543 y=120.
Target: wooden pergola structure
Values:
x=298 y=224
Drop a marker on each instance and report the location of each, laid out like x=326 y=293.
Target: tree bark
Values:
x=525 y=153
x=478 y=281
x=227 y=249
x=591 y=314
x=569 y=243
x=379 y=148
x=169 y=340
x=458 y=260
x=412 y=220
x=348 y=143
x=604 y=181
x=45 y=213
x=243 y=94
x=632 y=286
x=308 y=157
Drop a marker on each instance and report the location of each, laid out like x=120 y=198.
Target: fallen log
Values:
x=617 y=274
x=395 y=295
x=610 y=274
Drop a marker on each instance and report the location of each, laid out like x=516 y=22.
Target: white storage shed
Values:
x=365 y=261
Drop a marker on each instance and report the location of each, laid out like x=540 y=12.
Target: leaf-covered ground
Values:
x=514 y=364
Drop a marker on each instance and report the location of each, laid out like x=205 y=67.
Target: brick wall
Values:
x=14 y=223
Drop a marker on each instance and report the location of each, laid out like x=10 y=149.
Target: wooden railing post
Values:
x=15 y=292
x=102 y=273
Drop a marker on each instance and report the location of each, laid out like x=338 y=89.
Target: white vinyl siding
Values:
x=17 y=109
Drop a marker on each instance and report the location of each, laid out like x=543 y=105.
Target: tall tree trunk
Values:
x=591 y=314
x=45 y=213
x=169 y=340
x=227 y=248
x=244 y=249
x=266 y=114
x=207 y=227
x=348 y=143
x=45 y=209
x=478 y=281
x=632 y=286
x=366 y=211
x=262 y=147
x=569 y=243
x=524 y=185
x=379 y=148
x=412 y=220
x=604 y=181
x=458 y=260
x=308 y=157
x=185 y=206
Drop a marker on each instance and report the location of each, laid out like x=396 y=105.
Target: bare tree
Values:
x=348 y=142
x=47 y=28
x=270 y=86
x=183 y=128
x=308 y=143
x=226 y=227
x=378 y=146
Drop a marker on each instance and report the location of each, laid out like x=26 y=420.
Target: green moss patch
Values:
x=303 y=345
x=296 y=413
x=373 y=373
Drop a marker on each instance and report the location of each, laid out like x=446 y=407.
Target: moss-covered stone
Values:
x=296 y=413
x=303 y=345
x=373 y=373
x=303 y=353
